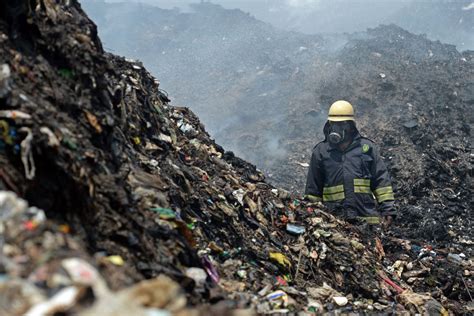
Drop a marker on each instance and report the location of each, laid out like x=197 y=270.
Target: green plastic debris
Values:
x=66 y=73
x=164 y=213
x=224 y=255
x=312 y=309
x=71 y=144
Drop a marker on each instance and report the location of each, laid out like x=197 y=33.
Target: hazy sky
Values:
x=297 y=14
x=251 y=4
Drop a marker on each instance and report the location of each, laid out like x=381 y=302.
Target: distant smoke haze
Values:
x=439 y=19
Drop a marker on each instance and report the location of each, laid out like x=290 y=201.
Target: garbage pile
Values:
x=132 y=188
x=46 y=271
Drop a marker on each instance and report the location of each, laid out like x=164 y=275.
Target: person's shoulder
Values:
x=322 y=145
x=368 y=145
x=366 y=140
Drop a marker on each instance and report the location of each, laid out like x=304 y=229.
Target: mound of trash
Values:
x=123 y=188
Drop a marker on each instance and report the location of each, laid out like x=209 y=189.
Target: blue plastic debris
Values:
x=295 y=229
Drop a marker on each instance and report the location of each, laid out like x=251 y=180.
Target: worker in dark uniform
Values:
x=347 y=173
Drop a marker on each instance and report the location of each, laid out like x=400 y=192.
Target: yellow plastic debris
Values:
x=136 y=140
x=280 y=258
x=117 y=260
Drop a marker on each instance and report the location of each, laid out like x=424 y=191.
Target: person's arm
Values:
x=314 y=180
x=381 y=186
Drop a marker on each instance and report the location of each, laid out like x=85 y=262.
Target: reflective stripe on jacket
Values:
x=352 y=180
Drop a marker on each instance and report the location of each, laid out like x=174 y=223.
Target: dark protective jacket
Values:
x=350 y=182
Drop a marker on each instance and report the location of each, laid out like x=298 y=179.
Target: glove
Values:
x=312 y=198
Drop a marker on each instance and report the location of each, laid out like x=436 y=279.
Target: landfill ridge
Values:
x=114 y=202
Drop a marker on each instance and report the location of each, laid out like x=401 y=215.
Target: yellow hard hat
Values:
x=341 y=111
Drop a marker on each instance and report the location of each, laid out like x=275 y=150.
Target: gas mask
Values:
x=338 y=132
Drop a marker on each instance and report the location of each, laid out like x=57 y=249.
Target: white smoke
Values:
x=304 y=4
x=469 y=7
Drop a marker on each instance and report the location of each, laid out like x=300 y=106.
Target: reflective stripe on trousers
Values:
x=384 y=194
